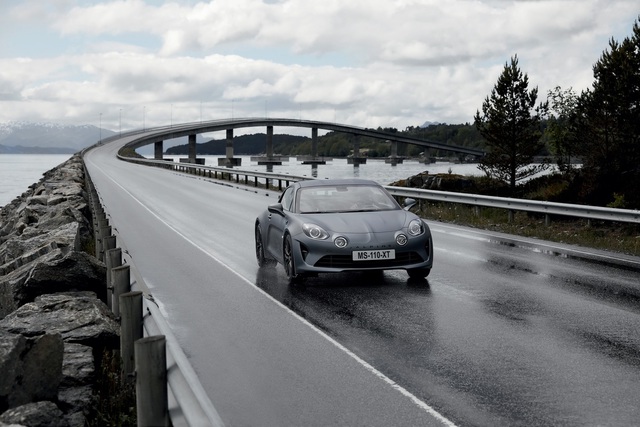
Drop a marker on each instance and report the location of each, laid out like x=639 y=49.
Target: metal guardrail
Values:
x=188 y=403
x=547 y=208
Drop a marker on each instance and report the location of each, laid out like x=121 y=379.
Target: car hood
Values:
x=361 y=222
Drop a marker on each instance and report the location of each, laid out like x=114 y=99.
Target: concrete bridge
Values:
x=191 y=130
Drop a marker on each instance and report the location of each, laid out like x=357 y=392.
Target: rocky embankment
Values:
x=440 y=181
x=54 y=324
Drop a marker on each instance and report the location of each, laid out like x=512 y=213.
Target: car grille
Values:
x=346 y=261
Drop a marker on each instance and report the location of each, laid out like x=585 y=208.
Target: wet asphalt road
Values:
x=499 y=334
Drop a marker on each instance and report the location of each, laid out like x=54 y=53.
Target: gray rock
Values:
x=14 y=249
x=49 y=336
x=32 y=368
x=79 y=317
x=78 y=367
x=55 y=271
x=76 y=389
x=39 y=414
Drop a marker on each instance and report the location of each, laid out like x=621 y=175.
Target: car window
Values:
x=287 y=198
x=344 y=198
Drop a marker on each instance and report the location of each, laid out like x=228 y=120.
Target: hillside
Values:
x=242 y=145
x=335 y=144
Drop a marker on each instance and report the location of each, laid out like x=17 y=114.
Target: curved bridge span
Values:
x=158 y=135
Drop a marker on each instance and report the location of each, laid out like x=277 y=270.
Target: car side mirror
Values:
x=276 y=208
x=409 y=203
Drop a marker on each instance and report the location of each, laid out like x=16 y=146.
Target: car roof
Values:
x=334 y=182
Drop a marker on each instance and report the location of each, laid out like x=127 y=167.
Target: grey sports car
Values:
x=328 y=226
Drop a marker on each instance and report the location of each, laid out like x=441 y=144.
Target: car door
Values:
x=278 y=222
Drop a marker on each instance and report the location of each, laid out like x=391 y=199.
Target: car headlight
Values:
x=415 y=227
x=315 y=231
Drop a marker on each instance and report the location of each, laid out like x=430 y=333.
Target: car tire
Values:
x=288 y=261
x=419 y=273
x=263 y=261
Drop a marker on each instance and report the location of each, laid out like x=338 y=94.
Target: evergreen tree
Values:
x=608 y=125
x=512 y=132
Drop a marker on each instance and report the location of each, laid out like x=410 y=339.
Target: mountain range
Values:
x=48 y=138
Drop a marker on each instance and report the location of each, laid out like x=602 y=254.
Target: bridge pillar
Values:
x=269 y=142
x=192 y=148
x=191 y=152
x=158 y=150
x=269 y=159
x=356 y=160
x=314 y=160
x=393 y=158
x=229 y=161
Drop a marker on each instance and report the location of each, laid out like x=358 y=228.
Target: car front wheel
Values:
x=289 y=261
x=419 y=273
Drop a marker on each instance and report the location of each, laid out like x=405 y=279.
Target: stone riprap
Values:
x=54 y=324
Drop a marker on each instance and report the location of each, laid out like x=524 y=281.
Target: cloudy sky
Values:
x=392 y=63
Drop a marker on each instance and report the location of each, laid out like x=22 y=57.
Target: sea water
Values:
x=374 y=169
x=19 y=171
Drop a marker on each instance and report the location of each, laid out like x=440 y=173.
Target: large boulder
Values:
x=76 y=389
x=31 y=367
x=55 y=271
x=38 y=414
x=79 y=317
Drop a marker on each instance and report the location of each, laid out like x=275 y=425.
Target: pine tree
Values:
x=512 y=132
x=608 y=125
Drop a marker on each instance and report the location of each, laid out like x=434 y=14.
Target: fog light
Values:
x=401 y=239
x=340 y=242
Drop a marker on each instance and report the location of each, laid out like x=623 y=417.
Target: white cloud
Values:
x=401 y=62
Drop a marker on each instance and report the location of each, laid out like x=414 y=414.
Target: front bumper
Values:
x=314 y=256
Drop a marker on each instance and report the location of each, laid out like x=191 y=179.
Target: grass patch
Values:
x=114 y=399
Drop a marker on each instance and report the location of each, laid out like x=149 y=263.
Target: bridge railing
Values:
x=268 y=179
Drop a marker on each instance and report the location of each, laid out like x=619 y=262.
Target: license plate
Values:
x=375 y=255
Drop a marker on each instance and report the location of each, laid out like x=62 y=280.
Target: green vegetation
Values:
x=129 y=152
x=623 y=238
x=605 y=235
x=512 y=132
x=606 y=123
x=114 y=400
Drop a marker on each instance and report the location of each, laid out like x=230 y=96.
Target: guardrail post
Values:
x=151 y=381
x=547 y=220
x=120 y=278
x=113 y=258
x=105 y=231
x=130 y=328
x=108 y=242
x=100 y=222
x=511 y=214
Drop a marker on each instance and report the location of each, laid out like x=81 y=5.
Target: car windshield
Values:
x=344 y=198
